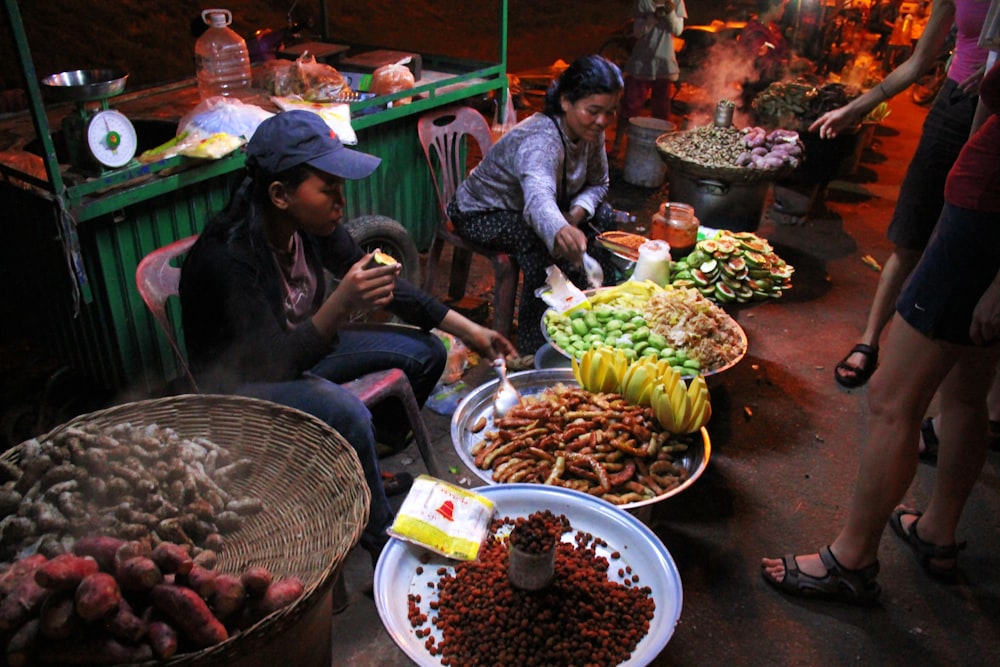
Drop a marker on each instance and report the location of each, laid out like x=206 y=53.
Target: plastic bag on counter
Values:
x=224 y=114
x=305 y=78
x=336 y=116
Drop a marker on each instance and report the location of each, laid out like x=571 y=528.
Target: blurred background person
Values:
x=921 y=195
x=651 y=70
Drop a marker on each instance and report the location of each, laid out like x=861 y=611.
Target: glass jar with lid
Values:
x=676 y=224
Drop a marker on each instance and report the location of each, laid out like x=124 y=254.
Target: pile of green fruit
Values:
x=733 y=267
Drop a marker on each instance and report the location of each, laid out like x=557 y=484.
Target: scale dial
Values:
x=111 y=138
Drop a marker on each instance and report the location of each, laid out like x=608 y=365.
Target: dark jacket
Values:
x=234 y=323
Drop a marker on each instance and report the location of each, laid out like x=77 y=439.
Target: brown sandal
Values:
x=926 y=552
x=839 y=584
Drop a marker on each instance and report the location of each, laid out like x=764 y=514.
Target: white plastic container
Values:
x=222 y=61
x=653 y=263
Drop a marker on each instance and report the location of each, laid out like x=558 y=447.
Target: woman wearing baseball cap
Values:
x=259 y=320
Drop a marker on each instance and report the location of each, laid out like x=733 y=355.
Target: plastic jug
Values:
x=222 y=60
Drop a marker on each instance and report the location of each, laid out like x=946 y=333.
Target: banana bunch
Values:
x=600 y=369
x=678 y=407
x=681 y=409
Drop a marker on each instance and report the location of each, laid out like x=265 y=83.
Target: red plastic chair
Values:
x=442 y=134
x=158 y=279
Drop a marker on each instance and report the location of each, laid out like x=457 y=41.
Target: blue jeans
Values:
x=357 y=351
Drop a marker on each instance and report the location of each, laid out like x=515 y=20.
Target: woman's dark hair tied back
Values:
x=588 y=75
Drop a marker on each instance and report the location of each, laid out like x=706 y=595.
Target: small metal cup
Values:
x=528 y=571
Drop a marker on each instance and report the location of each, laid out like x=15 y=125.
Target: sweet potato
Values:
x=57 y=618
x=65 y=571
x=163 y=639
x=93 y=651
x=278 y=595
x=127 y=550
x=199 y=579
x=138 y=575
x=172 y=558
x=23 y=602
x=256 y=579
x=190 y=614
x=21 y=646
x=97 y=596
x=125 y=624
x=24 y=566
x=229 y=596
x=101 y=548
x=207 y=558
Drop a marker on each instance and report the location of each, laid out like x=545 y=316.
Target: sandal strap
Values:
x=864 y=575
x=867 y=350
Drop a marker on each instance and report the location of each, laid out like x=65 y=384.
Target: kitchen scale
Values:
x=98 y=138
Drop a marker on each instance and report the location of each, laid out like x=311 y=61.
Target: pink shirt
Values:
x=969 y=17
x=974 y=180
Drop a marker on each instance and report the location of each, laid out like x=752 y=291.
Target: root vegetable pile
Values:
x=581 y=618
x=75 y=609
x=596 y=443
x=125 y=481
x=109 y=544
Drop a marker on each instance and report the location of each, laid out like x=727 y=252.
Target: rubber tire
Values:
x=379 y=231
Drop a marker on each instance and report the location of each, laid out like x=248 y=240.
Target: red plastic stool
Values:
x=380 y=385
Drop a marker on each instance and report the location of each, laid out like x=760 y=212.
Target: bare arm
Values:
x=834 y=122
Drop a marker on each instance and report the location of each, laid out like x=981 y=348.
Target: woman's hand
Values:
x=367 y=286
x=570 y=243
x=487 y=343
x=985 y=326
x=970 y=86
x=833 y=122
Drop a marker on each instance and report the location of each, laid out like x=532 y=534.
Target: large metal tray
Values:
x=738 y=330
x=479 y=404
x=396 y=576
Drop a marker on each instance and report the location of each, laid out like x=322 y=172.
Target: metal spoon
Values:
x=507 y=396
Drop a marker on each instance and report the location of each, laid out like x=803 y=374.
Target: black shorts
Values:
x=921 y=195
x=960 y=262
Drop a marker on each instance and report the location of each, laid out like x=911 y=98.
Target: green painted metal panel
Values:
x=401 y=187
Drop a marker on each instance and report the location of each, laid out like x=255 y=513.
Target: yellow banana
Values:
x=662 y=408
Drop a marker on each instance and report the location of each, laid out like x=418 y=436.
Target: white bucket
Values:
x=643 y=164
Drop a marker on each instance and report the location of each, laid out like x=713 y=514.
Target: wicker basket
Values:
x=314 y=492
x=725 y=174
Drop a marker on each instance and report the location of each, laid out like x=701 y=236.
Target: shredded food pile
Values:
x=690 y=321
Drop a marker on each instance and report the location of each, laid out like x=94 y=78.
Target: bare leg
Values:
x=895 y=272
x=898 y=398
x=963 y=445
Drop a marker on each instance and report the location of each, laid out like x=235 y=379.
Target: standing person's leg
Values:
x=918 y=207
x=660 y=99
x=898 y=397
x=339 y=408
x=962 y=452
x=857 y=367
x=633 y=98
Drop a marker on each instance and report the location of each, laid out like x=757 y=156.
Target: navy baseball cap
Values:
x=291 y=138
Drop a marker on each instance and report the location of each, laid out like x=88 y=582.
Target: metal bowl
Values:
x=479 y=404
x=736 y=328
x=84 y=84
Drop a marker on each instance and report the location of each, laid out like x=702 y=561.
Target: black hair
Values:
x=244 y=212
x=588 y=75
